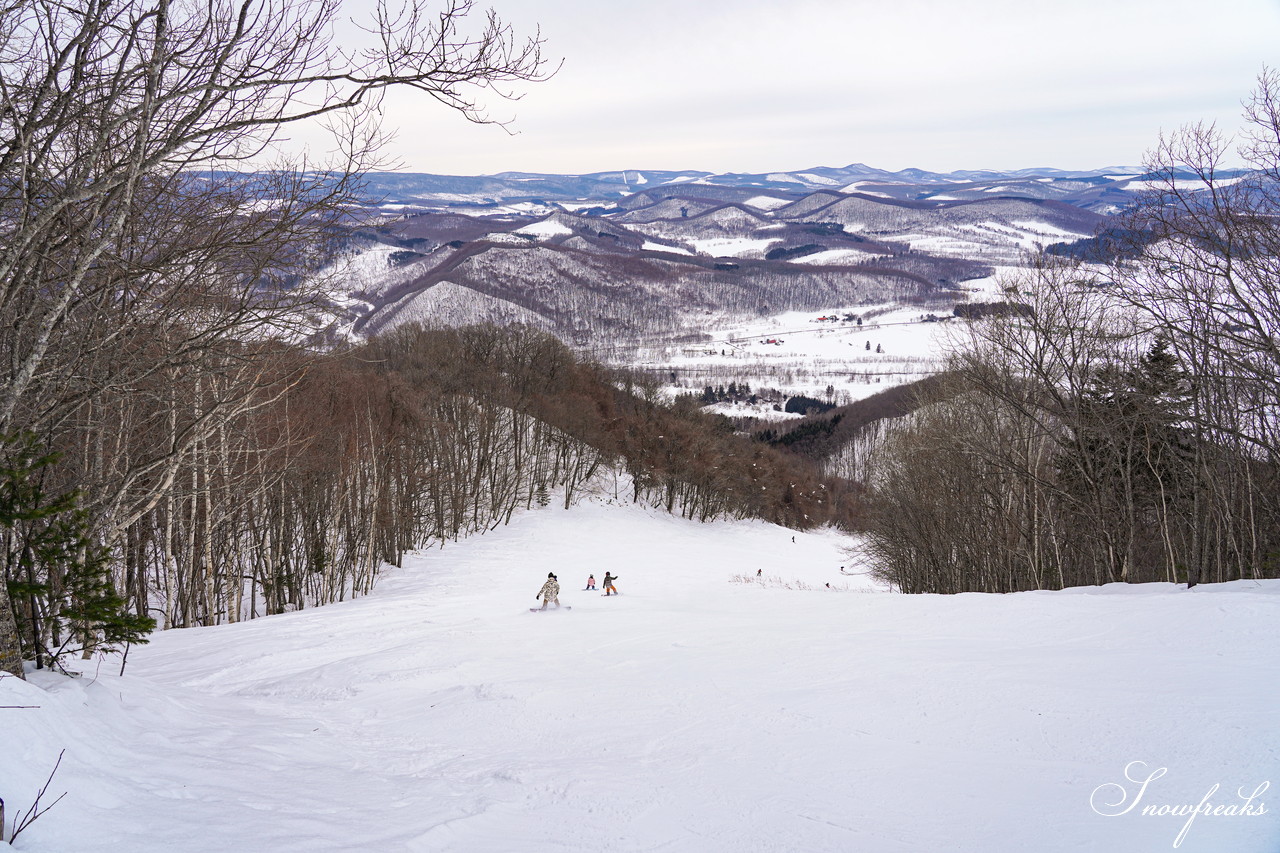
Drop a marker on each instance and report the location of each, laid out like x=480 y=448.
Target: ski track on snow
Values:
x=691 y=712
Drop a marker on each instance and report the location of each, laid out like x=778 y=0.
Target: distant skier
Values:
x=591 y=581
x=609 y=588
x=550 y=591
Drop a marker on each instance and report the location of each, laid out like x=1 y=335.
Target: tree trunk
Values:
x=10 y=649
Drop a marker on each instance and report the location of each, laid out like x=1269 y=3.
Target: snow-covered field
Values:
x=701 y=710
x=807 y=355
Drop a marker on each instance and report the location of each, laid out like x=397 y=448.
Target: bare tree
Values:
x=141 y=235
x=1204 y=267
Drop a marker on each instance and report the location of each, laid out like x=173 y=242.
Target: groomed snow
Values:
x=701 y=710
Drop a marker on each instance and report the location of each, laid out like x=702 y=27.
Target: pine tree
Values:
x=57 y=578
x=1129 y=466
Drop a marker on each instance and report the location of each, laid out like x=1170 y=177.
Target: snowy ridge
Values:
x=446 y=305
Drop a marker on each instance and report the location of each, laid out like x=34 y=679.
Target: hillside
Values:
x=701 y=710
x=663 y=263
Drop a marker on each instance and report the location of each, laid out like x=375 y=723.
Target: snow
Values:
x=701 y=710
x=1187 y=184
x=504 y=238
x=767 y=202
x=834 y=256
x=857 y=187
x=650 y=246
x=574 y=206
x=545 y=229
x=1047 y=229
x=731 y=247
x=809 y=357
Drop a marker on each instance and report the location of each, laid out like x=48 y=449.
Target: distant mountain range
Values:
x=1100 y=190
x=618 y=258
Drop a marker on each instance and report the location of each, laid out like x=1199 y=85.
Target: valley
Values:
x=686 y=276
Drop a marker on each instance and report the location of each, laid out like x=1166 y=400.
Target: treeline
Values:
x=1123 y=426
x=1078 y=447
x=156 y=459
x=829 y=434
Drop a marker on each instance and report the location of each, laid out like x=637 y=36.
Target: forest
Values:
x=1124 y=427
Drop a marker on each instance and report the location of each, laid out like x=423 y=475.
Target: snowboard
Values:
x=549 y=609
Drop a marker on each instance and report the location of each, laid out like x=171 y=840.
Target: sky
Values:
x=775 y=85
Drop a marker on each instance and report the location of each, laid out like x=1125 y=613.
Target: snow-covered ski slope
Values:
x=694 y=712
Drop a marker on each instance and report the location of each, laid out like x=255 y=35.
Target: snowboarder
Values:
x=609 y=588
x=550 y=591
x=591 y=581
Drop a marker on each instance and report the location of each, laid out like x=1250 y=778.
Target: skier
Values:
x=609 y=588
x=550 y=591
x=591 y=581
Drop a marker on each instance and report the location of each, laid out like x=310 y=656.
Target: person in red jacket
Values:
x=591 y=581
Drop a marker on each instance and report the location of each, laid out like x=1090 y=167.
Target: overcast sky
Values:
x=764 y=85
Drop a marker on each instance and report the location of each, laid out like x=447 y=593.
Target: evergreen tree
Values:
x=1129 y=465
x=57 y=577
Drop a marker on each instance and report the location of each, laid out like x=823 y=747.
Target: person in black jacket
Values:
x=609 y=588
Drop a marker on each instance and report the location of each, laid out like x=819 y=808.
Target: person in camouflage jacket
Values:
x=550 y=591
